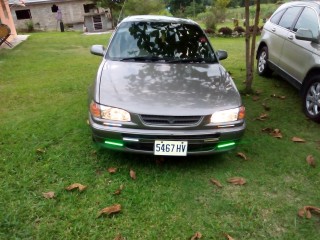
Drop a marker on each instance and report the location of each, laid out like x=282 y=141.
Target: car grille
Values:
x=170 y=120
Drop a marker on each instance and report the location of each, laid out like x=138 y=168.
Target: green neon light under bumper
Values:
x=225 y=145
x=114 y=143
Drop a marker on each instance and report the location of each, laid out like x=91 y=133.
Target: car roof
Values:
x=158 y=18
x=314 y=4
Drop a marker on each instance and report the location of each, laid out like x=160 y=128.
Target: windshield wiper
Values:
x=192 y=60
x=143 y=58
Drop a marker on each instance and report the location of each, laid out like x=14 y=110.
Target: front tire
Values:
x=262 y=62
x=311 y=99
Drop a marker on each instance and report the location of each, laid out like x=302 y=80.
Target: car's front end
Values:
x=165 y=106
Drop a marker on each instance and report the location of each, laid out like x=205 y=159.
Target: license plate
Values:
x=170 y=148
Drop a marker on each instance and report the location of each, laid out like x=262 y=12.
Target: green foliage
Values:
x=29 y=25
x=138 y=7
x=194 y=9
x=265 y=12
x=210 y=21
x=222 y=4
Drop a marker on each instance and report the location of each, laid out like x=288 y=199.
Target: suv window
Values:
x=289 y=16
x=308 y=20
x=276 y=17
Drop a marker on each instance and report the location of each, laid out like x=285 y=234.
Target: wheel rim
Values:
x=262 y=61
x=313 y=99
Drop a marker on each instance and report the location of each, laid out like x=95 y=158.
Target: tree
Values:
x=113 y=5
x=138 y=7
x=178 y=7
x=130 y=7
x=250 y=49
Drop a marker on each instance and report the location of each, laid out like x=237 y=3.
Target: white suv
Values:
x=290 y=46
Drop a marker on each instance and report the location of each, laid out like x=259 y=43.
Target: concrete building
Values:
x=46 y=15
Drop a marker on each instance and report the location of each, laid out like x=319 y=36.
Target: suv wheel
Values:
x=311 y=99
x=262 y=65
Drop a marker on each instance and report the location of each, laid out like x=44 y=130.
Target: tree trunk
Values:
x=247 y=39
x=250 y=50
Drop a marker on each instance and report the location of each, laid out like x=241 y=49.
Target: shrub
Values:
x=210 y=22
x=239 y=29
x=225 y=31
x=209 y=31
x=30 y=26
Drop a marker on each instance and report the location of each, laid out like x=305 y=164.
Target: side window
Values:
x=276 y=17
x=308 y=20
x=289 y=17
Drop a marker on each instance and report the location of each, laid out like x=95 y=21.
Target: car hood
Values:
x=167 y=89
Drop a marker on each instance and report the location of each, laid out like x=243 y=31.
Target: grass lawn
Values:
x=45 y=145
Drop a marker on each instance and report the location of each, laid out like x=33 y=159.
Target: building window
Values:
x=89 y=7
x=97 y=22
x=54 y=8
x=23 y=14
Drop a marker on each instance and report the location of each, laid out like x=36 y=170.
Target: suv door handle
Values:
x=273 y=29
x=290 y=37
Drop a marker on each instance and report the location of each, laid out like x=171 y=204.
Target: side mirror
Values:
x=97 y=50
x=306 y=35
x=222 y=54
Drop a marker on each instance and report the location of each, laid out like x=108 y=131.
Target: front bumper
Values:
x=200 y=142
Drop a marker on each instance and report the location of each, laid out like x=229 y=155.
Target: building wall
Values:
x=6 y=18
x=44 y=19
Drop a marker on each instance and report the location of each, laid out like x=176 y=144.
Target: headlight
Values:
x=229 y=115
x=109 y=113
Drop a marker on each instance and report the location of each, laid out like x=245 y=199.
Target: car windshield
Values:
x=160 y=41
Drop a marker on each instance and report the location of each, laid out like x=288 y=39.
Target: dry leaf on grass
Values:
x=311 y=161
x=40 y=151
x=229 y=237
x=298 y=140
x=258 y=92
x=307 y=210
x=266 y=107
x=197 y=235
x=280 y=97
x=133 y=174
x=267 y=130
x=237 y=181
x=118 y=191
x=216 y=182
x=48 y=195
x=110 y=210
x=112 y=170
x=78 y=186
x=119 y=237
x=262 y=117
x=276 y=133
x=242 y=155
x=255 y=98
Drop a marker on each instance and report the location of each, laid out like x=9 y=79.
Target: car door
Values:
x=297 y=55
x=273 y=36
